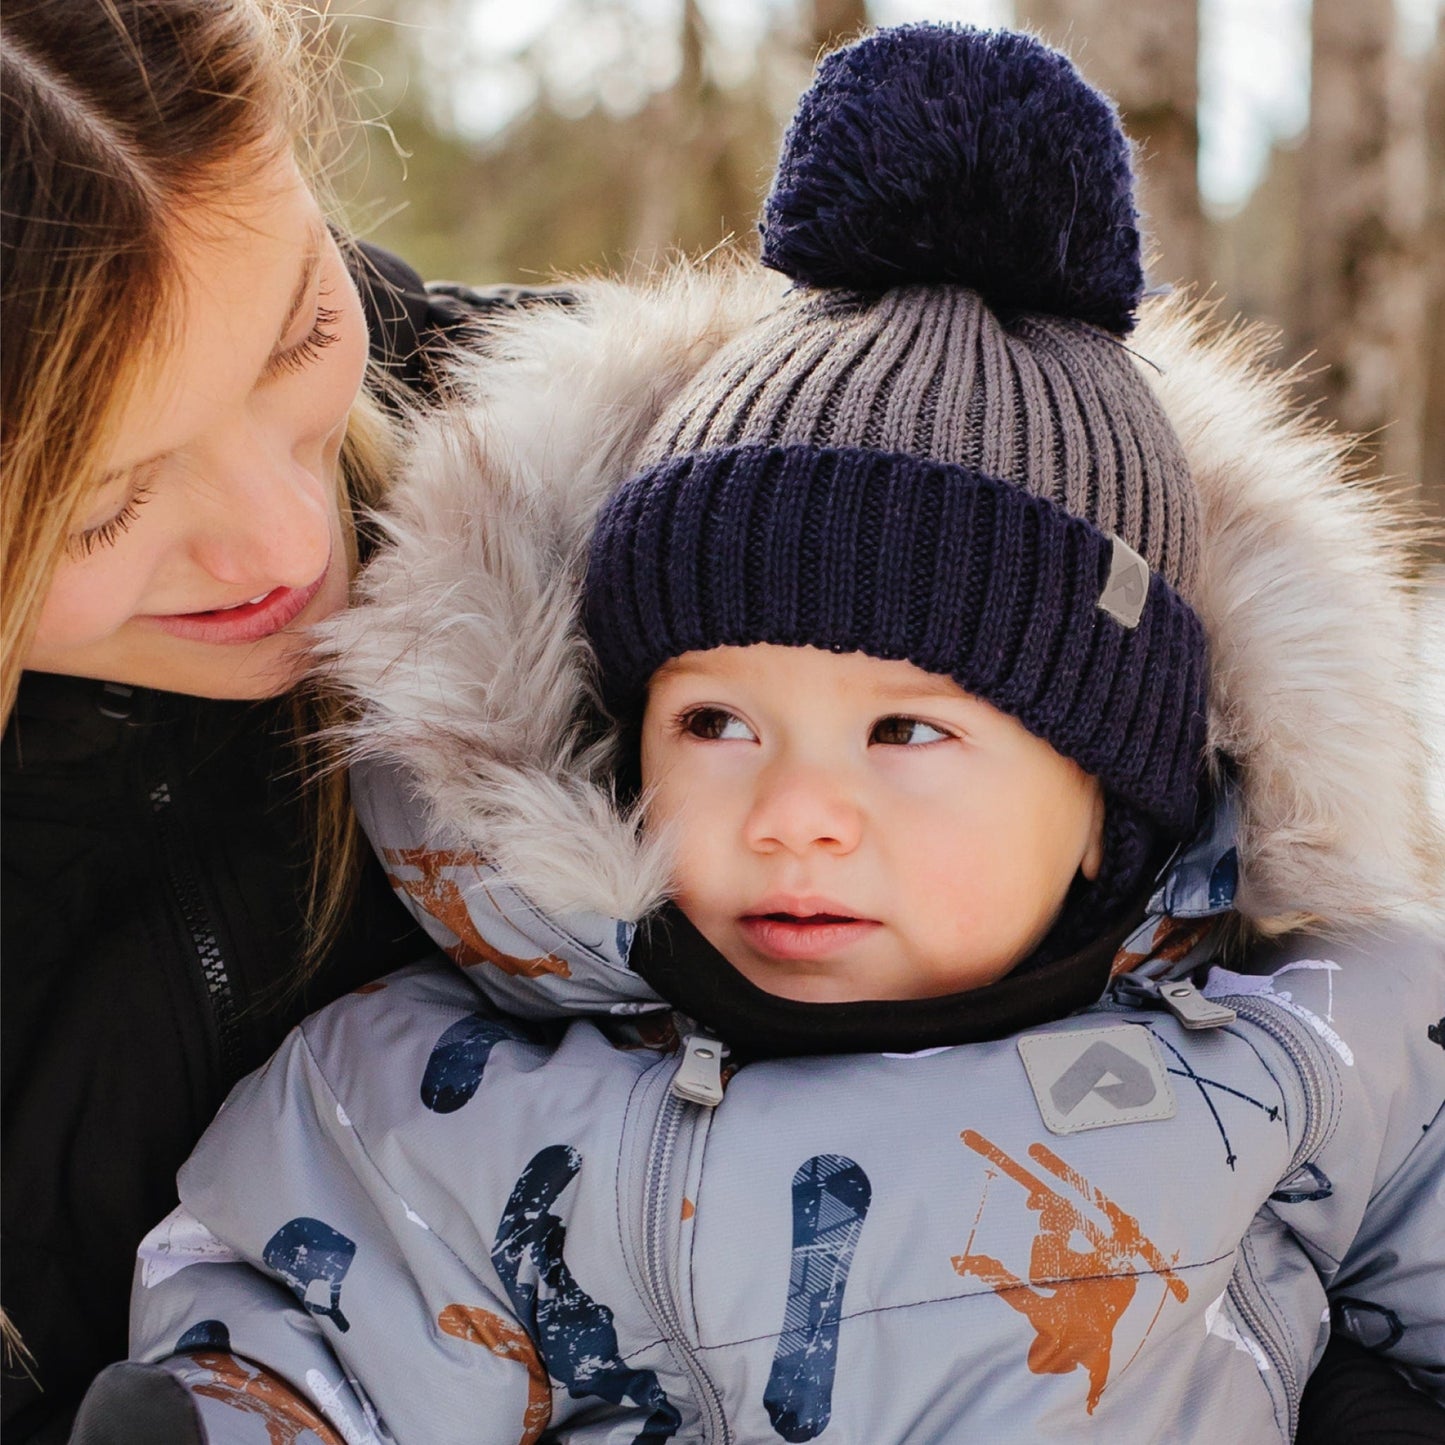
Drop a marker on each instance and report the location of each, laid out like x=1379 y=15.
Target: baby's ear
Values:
x=1093 y=858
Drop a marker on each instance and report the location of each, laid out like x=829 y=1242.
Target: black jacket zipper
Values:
x=210 y=960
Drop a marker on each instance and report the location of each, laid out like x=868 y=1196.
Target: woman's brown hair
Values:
x=117 y=116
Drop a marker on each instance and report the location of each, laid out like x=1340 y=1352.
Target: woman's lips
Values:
x=790 y=937
x=250 y=622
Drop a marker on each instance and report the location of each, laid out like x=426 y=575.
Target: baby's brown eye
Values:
x=715 y=724
x=902 y=732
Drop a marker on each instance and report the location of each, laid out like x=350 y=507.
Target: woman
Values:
x=188 y=425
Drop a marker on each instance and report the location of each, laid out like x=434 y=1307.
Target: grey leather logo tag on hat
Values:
x=1127 y=589
x=1092 y=1078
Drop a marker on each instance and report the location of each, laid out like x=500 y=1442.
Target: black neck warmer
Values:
x=694 y=977
x=1068 y=971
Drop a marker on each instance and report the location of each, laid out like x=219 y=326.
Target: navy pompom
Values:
x=932 y=153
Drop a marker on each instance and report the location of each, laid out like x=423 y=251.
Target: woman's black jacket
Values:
x=154 y=858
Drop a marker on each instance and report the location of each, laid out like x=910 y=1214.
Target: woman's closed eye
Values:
x=715 y=725
x=898 y=731
x=300 y=356
x=105 y=534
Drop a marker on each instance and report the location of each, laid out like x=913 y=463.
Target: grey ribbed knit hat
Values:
x=938 y=447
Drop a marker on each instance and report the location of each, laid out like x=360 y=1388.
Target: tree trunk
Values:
x=1362 y=283
x=1147 y=58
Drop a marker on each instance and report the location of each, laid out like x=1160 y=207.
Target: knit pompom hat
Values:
x=938 y=448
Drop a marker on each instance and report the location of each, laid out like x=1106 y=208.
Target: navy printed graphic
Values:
x=1304 y=1186
x=831 y=1195
x=1224 y=880
x=459 y=1058
x=1436 y=1033
x=1204 y=1085
x=208 y=1335
x=305 y=1252
x=1369 y=1324
x=574 y=1333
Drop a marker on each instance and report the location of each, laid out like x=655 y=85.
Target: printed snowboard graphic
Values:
x=1306 y=1185
x=209 y=1335
x=507 y=1341
x=459 y=1058
x=1073 y=1297
x=289 y=1420
x=831 y=1195
x=306 y=1253
x=442 y=899
x=574 y=1333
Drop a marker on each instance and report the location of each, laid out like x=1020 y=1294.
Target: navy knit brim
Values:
x=861 y=551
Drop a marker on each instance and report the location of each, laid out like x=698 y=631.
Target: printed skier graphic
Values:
x=288 y=1419
x=459 y=1058
x=442 y=899
x=574 y=1332
x=831 y=1195
x=306 y=1253
x=507 y=1341
x=1072 y=1297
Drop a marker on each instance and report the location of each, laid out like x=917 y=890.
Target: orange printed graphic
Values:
x=253 y=1391
x=442 y=898
x=1173 y=938
x=1072 y=1297
x=656 y=1031
x=688 y=1208
x=509 y=1342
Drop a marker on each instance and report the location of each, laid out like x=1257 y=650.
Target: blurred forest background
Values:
x=1292 y=155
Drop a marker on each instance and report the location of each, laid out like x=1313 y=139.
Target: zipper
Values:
x=1195 y=1011
x=186 y=890
x=1258 y=1326
x=675 y=1110
x=1177 y=995
x=1301 y=1052
x=1314 y=1084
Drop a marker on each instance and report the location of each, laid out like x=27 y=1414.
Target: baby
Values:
x=882 y=1014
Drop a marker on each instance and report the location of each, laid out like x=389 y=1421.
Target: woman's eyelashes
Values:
x=105 y=534
x=295 y=358
x=321 y=335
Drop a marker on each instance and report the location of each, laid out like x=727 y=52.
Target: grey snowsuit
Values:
x=510 y=1197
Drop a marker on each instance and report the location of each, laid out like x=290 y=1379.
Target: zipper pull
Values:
x=1179 y=996
x=699 y=1076
x=1191 y=1008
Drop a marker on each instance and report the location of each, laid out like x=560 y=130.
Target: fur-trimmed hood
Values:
x=470 y=669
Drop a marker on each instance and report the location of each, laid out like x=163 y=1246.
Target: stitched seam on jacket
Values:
x=979 y=1294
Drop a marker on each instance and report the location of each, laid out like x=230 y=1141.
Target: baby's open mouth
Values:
x=807 y=917
x=788 y=936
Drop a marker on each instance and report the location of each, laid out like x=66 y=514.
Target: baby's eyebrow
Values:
x=931 y=687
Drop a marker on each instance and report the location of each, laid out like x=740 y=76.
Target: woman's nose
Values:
x=798 y=808
x=268 y=523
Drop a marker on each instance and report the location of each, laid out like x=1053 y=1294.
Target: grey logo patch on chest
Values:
x=1093 y=1078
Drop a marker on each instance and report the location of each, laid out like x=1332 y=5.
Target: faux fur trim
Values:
x=1313 y=624
x=467 y=660
x=464 y=651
